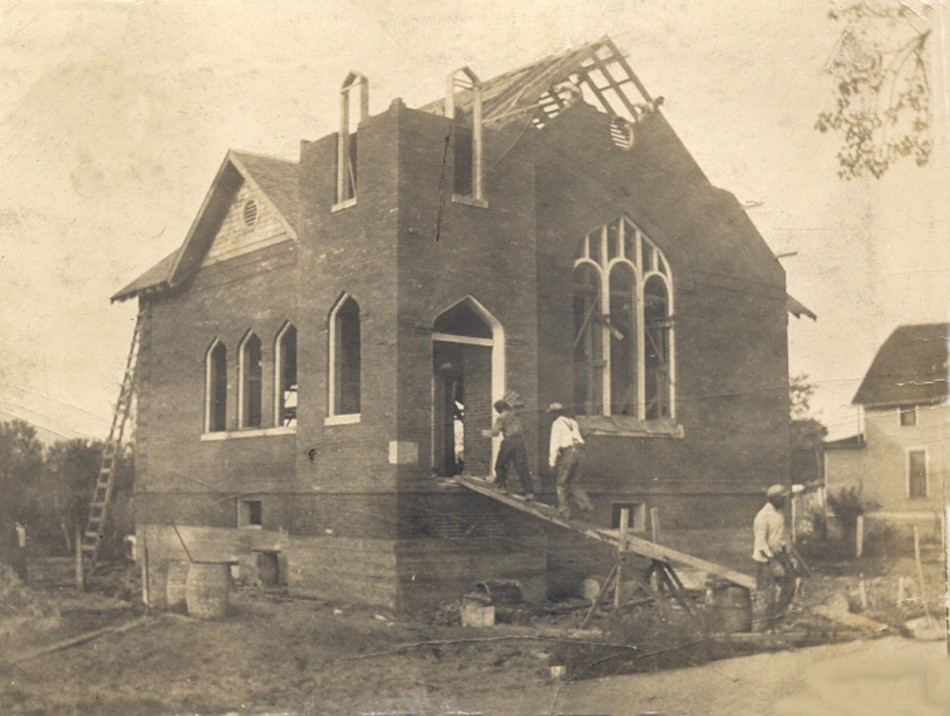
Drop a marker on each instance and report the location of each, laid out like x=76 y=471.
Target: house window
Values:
x=637 y=520
x=908 y=415
x=250 y=370
x=344 y=357
x=916 y=474
x=285 y=364
x=346 y=179
x=216 y=388
x=623 y=325
x=250 y=513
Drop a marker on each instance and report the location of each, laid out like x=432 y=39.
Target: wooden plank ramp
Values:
x=633 y=545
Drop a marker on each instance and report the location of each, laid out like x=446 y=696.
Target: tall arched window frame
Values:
x=216 y=388
x=624 y=349
x=285 y=376
x=344 y=358
x=250 y=382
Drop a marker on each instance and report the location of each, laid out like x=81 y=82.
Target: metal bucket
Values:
x=501 y=591
x=175 y=584
x=729 y=607
x=207 y=589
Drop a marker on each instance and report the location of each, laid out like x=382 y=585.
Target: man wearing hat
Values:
x=774 y=568
x=512 y=450
x=565 y=459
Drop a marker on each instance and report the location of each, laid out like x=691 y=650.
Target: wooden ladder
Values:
x=98 y=509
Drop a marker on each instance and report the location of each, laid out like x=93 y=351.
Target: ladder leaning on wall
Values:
x=99 y=507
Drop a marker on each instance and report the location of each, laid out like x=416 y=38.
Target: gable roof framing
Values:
x=598 y=69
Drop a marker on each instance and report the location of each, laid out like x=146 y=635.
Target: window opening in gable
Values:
x=588 y=341
x=286 y=362
x=345 y=358
x=623 y=348
x=917 y=474
x=657 y=330
x=216 y=398
x=346 y=155
x=908 y=415
x=465 y=133
x=623 y=325
x=251 y=369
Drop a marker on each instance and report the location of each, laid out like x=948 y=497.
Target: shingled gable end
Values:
x=323 y=350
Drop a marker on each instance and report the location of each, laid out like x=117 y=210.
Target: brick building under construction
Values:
x=324 y=349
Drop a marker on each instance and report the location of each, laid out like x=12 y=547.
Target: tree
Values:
x=70 y=476
x=880 y=65
x=806 y=432
x=21 y=467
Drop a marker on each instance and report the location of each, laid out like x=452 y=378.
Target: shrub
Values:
x=848 y=505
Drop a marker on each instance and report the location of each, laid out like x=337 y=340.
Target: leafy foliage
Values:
x=847 y=504
x=806 y=432
x=51 y=488
x=880 y=66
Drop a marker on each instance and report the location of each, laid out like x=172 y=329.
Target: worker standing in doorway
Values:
x=564 y=458
x=775 y=572
x=512 y=450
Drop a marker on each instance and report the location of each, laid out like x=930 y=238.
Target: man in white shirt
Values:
x=564 y=457
x=771 y=553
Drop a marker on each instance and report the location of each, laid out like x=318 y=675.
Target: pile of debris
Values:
x=18 y=600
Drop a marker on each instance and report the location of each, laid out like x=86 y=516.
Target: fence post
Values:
x=80 y=574
x=621 y=546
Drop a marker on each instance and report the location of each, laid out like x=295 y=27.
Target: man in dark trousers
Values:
x=565 y=459
x=512 y=450
x=775 y=572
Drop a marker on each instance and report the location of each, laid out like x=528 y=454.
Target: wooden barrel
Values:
x=729 y=607
x=207 y=589
x=175 y=583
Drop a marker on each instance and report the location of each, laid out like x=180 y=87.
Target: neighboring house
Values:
x=900 y=459
x=329 y=339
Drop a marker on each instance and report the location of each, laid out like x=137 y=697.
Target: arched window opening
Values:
x=345 y=358
x=216 y=388
x=466 y=133
x=251 y=373
x=588 y=341
x=286 y=362
x=623 y=330
x=346 y=138
x=623 y=340
x=657 y=374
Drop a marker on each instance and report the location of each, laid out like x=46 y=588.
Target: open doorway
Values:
x=464 y=353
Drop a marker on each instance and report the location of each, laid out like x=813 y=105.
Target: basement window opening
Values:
x=250 y=513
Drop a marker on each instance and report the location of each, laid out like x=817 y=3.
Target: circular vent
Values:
x=250 y=212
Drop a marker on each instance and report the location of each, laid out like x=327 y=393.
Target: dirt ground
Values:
x=273 y=654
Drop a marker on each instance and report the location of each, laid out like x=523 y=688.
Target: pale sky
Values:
x=116 y=116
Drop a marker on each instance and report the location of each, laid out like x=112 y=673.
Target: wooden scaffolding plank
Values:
x=634 y=545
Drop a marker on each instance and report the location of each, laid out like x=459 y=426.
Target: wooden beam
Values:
x=635 y=545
